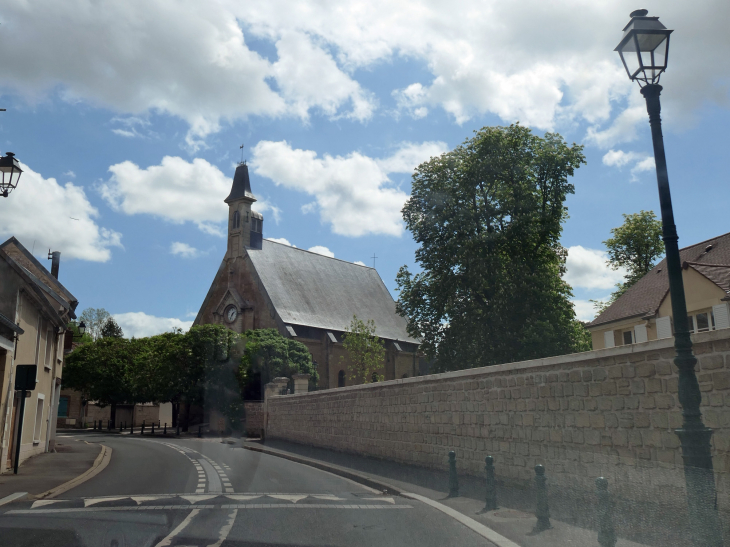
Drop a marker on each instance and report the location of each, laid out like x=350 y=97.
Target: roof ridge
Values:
x=706 y=264
x=323 y=256
x=705 y=241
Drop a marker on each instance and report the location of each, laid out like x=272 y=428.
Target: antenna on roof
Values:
x=373 y=257
x=241 y=162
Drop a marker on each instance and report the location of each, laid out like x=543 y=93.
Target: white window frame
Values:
x=48 y=354
x=38 y=424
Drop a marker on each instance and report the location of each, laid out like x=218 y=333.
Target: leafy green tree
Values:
x=111 y=329
x=268 y=355
x=635 y=247
x=365 y=350
x=94 y=319
x=79 y=338
x=488 y=218
x=101 y=369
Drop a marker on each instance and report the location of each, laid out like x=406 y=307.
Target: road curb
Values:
x=330 y=468
x=100 y=463
x=477 y=527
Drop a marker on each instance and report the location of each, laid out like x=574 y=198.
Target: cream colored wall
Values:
x=701 y=294
x=32 y=351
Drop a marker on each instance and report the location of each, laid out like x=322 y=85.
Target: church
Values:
x=306 y=296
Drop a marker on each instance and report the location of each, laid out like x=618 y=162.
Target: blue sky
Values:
x=128 y=117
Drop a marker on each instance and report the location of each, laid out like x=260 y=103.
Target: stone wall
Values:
x=254 y=417
x=602 y=413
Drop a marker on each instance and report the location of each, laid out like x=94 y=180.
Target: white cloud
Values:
x=184 y=250
x=359 y=263
x=584 y=309
x=177 y=191
x=587 y=269
x=281 y=240
x=619 y=158
x=42 y=211
x=70 y=174
x=139 y=324
x=320 y=250
x=352 y=192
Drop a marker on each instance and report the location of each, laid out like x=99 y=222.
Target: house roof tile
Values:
x=711 y=258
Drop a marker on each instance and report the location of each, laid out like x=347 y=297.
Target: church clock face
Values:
x=231 y=314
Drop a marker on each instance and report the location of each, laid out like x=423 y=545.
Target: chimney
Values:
x=55 y=258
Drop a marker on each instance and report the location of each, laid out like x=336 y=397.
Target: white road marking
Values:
x=198 y=507
x=41 y=503
x=140 y=499
x=289 y=497
x=194 y=499
x=225 y=529
x=241 y=497
x=328 y=497
x=167 y=541
x=214 y=481
x=477 y=527
x=389 y=500
x=88 y=502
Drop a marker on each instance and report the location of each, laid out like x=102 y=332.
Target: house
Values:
x=644 y=311
x=34 y=311
x=304 y=295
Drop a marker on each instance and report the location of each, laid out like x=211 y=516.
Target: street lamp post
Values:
x=644 y=49
x=10 y=172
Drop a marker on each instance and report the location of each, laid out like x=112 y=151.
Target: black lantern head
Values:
x=82 y=328
x=644 y=48
x=10 y=170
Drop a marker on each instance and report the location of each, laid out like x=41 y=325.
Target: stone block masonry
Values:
x=604 y=413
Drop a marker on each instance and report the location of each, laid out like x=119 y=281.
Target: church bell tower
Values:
x=244 y=224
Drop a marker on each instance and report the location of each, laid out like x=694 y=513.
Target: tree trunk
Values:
x=175 y=412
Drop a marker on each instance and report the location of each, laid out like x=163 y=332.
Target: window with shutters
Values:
x=640 y=334
x=663 y=327
x=721 y=316
x=628 y=337
x=608 y=339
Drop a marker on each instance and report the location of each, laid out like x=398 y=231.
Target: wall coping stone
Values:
x=644 y=347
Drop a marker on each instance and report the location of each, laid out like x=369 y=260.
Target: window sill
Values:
x=47 y=367
x=36 y=443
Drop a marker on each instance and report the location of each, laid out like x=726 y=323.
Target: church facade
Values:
x=306 y=296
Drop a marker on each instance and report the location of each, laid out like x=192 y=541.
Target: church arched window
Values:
x=341 y=379
x=236 y=220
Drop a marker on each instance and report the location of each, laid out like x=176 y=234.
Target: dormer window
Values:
x=236 y=220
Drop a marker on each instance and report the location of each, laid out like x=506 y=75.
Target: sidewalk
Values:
x=513 y=524
x=49 y=470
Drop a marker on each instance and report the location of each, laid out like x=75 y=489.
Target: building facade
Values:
x=304 y=295
x=35 y=309
x=644 y=311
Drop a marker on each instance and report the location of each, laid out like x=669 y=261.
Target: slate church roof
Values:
x=317 y=291
x=710 y=258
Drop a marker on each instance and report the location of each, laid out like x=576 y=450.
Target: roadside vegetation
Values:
x=209 y=366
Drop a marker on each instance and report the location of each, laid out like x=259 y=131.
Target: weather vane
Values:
x=241 y=147
x=373 y=257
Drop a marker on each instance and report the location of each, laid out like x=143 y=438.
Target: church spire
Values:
x=241 y=188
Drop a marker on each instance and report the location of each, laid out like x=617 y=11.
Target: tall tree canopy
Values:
x=269 y=355
x=488 y=217
x=111 y=329
x=365 y=350
x=635 y=247
x=94 y=319
x=102 y=371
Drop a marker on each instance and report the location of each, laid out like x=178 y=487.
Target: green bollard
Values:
x=200 y=431
x=178 y=428
x=453 y=477
x=153 y=429
x=542 y=511
x=142 y=430
x=131 y=429
x=164 y=431
x=491 y=493
x=606 y=533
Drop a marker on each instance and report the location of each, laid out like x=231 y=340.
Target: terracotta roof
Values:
x=317 y=291
x=710 y=258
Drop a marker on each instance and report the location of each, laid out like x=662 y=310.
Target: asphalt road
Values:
x=174 y=492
